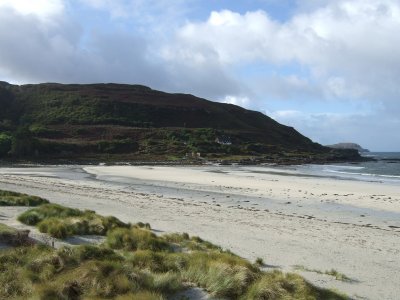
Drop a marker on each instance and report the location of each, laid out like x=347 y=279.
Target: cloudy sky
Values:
x=330 y=68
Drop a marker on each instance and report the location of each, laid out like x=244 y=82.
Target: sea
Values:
x=385 y=168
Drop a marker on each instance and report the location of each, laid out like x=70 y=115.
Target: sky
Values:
x=329 y=68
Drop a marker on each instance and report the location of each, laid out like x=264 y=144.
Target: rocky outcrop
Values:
x=353 y=146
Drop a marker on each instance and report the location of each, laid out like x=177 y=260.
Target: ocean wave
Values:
x=365 y=174
x=344 y=167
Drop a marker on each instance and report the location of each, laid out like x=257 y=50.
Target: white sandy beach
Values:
x=286 y=219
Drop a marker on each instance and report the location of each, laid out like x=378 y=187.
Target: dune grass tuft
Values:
x=61 y=222
x=8 y=198
x=223 y=274
x=38 y=214
x=338 y=276
x=69 y=273
x=135 y=239
x=97 y=272
x=332 y=272
x=134 y=263
x=195 y=243
x=259 y=261
x=6 y=230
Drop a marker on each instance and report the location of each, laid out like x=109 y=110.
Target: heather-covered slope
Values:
x=133 y=122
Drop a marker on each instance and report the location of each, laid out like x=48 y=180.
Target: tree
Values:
x=23 y=143
x=5 y=144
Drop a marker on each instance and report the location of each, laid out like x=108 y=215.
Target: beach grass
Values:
x=60 y=222
x=98 y=272
x=8 y=198
x=13 y=237
x=259 y=261
x=184 y=241
x=135 y=239
x=332 y=272
x=6 y=230
x=134 y=263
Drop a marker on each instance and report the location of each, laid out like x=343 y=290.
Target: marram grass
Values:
x=134 y=263
x=60 y=222
x=8 y=198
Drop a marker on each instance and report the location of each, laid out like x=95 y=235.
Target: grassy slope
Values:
x=101 y=121
x=134 y=263
x=100 y=272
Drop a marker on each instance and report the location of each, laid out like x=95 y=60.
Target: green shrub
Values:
x=88 y=252
x=14 y=264
x=104 y=279
x=167 y=282
x=8 y=198
x=38 y=214
x=158 y=262
x=176 y=237
x=48 y=292
x=12 y=288
x=71 y=290
x=223 y=274
x=194 y=243
x=143 y=225
x=61 y=222
x=278 y=285
x=338 y=275
x=54 y=227
x=117 y=146
x=112 y=222
x=147 y=269
x=93 y=272
x=6 y=230
x=5 y=144
x=259 y=261
x=135 y=239
x=199 y=244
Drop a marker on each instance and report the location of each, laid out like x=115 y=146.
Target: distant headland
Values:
x=348 y=146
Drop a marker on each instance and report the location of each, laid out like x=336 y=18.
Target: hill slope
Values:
x=133 y=122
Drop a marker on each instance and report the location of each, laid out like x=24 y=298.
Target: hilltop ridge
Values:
x=134 y=122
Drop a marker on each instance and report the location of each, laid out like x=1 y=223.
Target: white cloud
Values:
x=355 y=41
x=286 y=87
x=232 y=36
x=44 y=9
x=237 y=100
x=54 y=52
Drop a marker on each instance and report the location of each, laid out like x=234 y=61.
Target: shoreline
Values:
x=174 y=199
x=274 y=169
x=248 y=161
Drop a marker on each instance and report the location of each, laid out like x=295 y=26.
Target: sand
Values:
x=286 y=218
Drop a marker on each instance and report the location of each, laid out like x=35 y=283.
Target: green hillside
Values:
x=135 y=123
